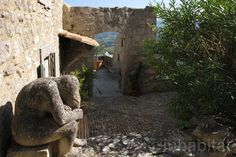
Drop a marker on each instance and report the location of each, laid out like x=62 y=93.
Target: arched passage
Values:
x=90 y=21
x=133 y=26
x=107 y=79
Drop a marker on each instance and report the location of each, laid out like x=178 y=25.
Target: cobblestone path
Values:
x=112 y=113
x=105 y=84
x=126 y=126
x=125 y=114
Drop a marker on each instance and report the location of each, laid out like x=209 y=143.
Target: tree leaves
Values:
x=196 y=50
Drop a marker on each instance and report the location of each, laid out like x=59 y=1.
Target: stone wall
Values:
x=90 y=21
x=133 y=26
x=118 y=58
x=27 y=27
x=66 y=16
x=137 y=31
x=118 y=54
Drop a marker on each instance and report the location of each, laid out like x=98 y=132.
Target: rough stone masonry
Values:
x=26 y=28
x=29 y=33
x=133 y=26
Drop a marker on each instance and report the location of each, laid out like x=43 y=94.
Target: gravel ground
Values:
x=105 y=84
x=125 y=114
x=125 y=126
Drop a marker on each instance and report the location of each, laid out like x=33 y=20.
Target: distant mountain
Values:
x=107 y=41
x=107 y=38
x=104 y=34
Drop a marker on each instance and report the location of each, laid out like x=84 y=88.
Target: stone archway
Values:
x=90 y=21
x=133 y=26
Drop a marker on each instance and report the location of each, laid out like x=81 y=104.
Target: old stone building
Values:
x=28 y=36
x=133 y=27
x=33 y=44
x=29 y=48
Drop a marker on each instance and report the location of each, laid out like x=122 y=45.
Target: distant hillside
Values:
x=107 y=41
x=107 y=38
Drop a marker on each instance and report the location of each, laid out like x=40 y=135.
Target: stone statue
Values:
x=46 y=111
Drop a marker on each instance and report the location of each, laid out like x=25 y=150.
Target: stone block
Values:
x=5 y=51
x=10 y=29
x=48 y=4
x=1 y=79
x=1 y=24
x=10 y=70
x=18 y=30
x=20 y=18
x=20 y=151
x=43 y=2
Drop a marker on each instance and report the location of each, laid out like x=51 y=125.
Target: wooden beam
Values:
x=80 y=38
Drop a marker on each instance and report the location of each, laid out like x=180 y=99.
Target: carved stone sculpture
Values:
x=46 y=111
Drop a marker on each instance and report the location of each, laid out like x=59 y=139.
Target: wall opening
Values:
x=47 y=67
x=107 y=79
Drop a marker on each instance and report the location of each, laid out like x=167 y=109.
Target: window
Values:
x=52 y=64
x=47 y=67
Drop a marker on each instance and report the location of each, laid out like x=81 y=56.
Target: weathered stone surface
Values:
x=90 y=21
x=10 y=70
x=10 y=30
x=52 y=94
x=216 y=137
x=18 y=151
x=49 y=4
x=23 y=30
x=133 y=26
x=17 y=43
x=5 y=51
x=43 y=2
x=1 y=79
x=80 y=142
x=46 y=3
x=106 y=149
x=232 y=147
x=145 y=155
x=74 y=152
x=20 y=18
x=1 y=24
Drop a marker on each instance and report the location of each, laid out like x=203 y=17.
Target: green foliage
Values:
x=183 y=124
x=196 y=52
x=85 y=77
x=100 y=49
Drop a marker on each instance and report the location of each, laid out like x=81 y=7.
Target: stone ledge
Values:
x=20 y=151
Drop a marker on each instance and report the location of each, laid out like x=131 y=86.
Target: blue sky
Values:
x=113 y=3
